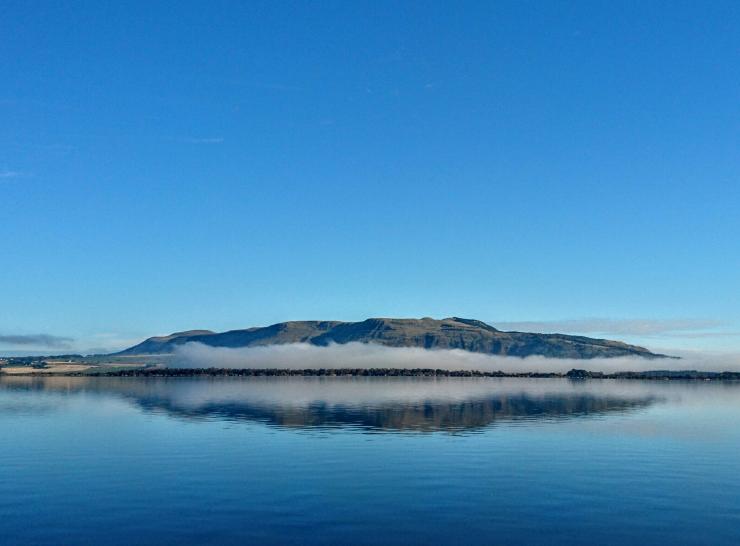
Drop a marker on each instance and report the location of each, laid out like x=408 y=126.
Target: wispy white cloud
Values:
x=274 y=86
x=204 y=140
x=108 y=342
x=11 y=174
x=36 y=340
x=700 y=335
x=636 y=327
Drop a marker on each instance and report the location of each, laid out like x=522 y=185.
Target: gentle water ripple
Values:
x=368 y=461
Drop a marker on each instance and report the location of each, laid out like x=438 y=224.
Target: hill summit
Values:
x=449 y=333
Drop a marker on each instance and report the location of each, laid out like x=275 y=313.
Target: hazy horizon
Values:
x=650 y=331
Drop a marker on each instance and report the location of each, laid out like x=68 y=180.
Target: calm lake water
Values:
x=368 y=461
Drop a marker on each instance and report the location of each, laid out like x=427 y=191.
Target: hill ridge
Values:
x=428 y=333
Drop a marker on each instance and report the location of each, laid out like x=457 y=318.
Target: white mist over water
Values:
x=368 y=355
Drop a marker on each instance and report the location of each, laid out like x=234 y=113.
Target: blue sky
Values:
x=166 y=166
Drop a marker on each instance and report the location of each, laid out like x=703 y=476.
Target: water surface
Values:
x=368 y=461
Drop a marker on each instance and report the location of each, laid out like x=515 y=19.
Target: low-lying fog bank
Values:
x=301 y=356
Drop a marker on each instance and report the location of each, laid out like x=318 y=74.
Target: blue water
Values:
x=368 y=461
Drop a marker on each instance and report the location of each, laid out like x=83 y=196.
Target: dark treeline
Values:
x=39 y=360
x=318 y=372
x=654 y=374
x=397 y=372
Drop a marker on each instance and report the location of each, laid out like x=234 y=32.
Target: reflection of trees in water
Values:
x=430 y=415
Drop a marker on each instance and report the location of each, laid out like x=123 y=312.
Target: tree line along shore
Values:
x=156 y=371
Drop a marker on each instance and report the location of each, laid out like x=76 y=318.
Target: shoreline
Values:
x=157 y=372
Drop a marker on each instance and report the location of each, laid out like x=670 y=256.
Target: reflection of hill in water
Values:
x=445 y=405
x=427 y=416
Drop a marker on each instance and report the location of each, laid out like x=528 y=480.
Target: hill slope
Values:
x=449 y=333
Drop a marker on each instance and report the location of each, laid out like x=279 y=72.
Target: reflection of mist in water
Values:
x=427 y=404
x=192 y=460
